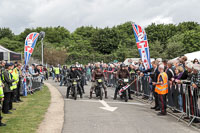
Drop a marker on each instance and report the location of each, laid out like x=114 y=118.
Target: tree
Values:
x=160 y=32
x=12 y=44
x=175 y=47
x=6 y=32
x=156 y=50
x=105 y=40
x=55 y=56
x=191 y=41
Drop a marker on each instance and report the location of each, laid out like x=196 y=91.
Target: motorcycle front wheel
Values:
x=126 y=95
x=75 y=93
x=101 y=93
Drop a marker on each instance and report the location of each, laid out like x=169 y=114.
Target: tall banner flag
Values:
x=143 y=46
x=30 y=42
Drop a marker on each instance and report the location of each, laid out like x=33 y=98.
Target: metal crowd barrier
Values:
x=181 y=98
x=142 y=87
x=185 y=99
x=35 y=83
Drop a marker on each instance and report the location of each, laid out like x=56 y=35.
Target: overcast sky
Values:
x=21 y=14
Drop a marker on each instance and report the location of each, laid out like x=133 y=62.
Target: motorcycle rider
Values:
x=81 y=71
x=97 y=74
x=73 y=73
x=122 y=73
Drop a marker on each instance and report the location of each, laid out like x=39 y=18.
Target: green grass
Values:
x=28 y=114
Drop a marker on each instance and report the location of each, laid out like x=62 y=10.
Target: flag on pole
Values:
x=142 y=44
x=30 y=42
x=123 y=89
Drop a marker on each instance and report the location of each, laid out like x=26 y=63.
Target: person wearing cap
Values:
x=161 y=89
x=18 y=68
x=7 y=80
x=13 y=87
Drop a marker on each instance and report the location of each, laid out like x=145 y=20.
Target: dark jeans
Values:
x=61 y=80
x=0 y=112
x=15 y=95
x=18 y=91
x=78 y=89
x=156 y=97
x=6 y=102
x=11 y=100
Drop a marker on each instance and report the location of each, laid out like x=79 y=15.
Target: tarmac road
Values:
x=87 y=116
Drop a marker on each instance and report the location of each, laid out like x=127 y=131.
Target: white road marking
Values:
x=131 y=103
x=96 y=101
x=106 y=106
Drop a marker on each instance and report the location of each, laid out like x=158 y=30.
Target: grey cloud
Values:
x=101 y=13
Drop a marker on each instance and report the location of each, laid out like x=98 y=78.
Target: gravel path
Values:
x=54 y=117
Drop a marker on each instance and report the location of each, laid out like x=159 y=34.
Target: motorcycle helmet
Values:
x=122 y=65
x=73 y=66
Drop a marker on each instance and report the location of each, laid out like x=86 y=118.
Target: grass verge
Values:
x=28 y=114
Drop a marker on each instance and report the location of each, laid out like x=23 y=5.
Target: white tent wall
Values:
x=6 y=56
x=193 y=55
x=7 y=53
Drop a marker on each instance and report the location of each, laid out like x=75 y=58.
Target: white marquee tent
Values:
x=193 y=55
x=8 y=55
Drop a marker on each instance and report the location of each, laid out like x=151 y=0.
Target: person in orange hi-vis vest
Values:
x=162 y=89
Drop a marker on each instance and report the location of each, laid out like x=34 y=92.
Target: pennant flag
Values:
x=123 y=89
x=143 y=46
x=30 y=42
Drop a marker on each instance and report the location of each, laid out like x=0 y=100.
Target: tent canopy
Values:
x=193 y=55
x=8 y=55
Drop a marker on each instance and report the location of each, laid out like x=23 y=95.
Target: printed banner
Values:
x=143 y=46
x=123 y=89
x=30 y=42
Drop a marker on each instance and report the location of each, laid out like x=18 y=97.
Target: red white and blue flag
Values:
x=143 y=46
x=30 y=42
x=123 y=89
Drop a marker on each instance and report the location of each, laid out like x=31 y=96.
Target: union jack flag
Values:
x=30 y=42
x=123 y=89
x=142 y=44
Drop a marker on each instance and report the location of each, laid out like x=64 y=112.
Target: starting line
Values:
x=97 y=101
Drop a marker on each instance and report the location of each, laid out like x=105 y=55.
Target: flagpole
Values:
x=42 y=51
x=42 y=35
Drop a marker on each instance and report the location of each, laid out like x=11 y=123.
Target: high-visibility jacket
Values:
x=1 y=89
x=13 y=76
x=163 y=88
x=57 y=70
